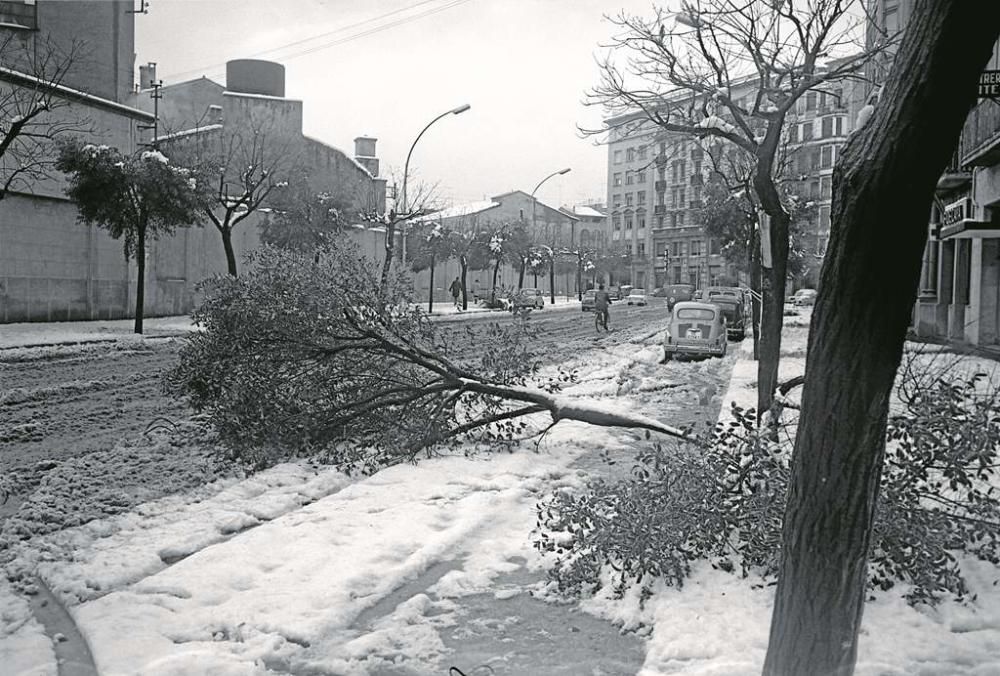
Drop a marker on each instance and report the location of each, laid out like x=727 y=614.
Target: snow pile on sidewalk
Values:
x=29 y=334
x=718 y=623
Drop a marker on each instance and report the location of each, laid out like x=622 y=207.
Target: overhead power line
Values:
x=216 y=68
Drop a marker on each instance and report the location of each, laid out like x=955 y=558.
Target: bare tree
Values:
x=34 y=113
x=883 y=190
x=732 y=74
x=234 y=172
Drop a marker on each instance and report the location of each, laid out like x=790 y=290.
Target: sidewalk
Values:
x=41 y=334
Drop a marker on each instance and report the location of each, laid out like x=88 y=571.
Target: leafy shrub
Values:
x=724 y=502
x=306 y=354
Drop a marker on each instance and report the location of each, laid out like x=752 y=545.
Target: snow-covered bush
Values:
x=724 y=502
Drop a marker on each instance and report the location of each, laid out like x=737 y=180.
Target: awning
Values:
x=970 y=229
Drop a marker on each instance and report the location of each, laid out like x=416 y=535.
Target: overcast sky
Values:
x=523 y=65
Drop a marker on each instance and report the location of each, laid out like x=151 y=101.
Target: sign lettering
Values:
x=989 y=84
x=955 y=212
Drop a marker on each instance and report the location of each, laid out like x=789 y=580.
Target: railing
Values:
x=980 y=141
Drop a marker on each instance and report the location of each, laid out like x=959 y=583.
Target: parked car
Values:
x=733 y=310
x=696 y=329
x=804 y=297
x=636 y=297
x=623 y=291
x=678 y=293
x=589 y=298
x=532 y=298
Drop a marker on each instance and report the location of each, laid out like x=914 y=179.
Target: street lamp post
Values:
x=552 y=261
x=406 y=167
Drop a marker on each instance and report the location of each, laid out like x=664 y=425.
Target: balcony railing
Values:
x=660 y=209
x=980 y=144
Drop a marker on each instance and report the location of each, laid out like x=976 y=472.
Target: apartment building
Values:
x=655 y=183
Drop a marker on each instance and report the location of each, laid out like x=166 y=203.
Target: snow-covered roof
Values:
x=588 y=212
x=187 y=132
x=459 y=210
x=10 y=74
x=267 y=97
x=351 y=159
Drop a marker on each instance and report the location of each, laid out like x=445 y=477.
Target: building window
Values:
x=827 y=157
x=659 y=221
x=807 y=130
x=826 y=187
x=630 y=155
x=793 y=134
x=629 y=178
x=19 y=14
x=673 y=197
x=697 y=168
x=617 y=180
x=616 y=222
x=682 y=197
x=641 y=197
x=641 y=249
x=673 y=219
x=824 y=218
x=713 y=247
x=827 y=128
x=642 y=152
x=642 y=221
x=616 y=201
x=811 y=101
x=640 y=176
x=838 y=98
x=840 y=126
x=617 y=155
x=628 y=221
x=680 y=218
x=696 y=197
x=695 y=247
x=680 y=248
x=814 y=159
x=814 y=190
x=628 y=199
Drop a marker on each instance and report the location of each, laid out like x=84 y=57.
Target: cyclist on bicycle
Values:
x=602 y=300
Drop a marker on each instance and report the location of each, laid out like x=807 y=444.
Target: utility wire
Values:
x=215 y=69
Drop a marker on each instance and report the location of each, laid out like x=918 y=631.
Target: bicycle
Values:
x=600 y=320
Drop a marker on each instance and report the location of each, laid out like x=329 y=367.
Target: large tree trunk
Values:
x=883 y=190
x=227 y=244
x=140 y=282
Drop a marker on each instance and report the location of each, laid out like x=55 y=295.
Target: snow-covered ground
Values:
x=274 y=573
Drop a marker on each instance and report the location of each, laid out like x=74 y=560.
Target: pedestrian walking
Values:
x=456 y=291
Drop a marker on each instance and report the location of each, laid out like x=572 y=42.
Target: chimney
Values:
x=364 y=153
x=147 y=75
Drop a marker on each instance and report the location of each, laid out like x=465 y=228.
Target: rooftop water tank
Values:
x=254 y=76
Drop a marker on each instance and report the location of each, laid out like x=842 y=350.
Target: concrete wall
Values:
x=102 y=34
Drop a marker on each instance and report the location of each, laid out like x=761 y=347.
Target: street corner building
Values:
x=53 y=268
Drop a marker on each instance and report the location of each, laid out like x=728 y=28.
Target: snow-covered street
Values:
x=301 y=569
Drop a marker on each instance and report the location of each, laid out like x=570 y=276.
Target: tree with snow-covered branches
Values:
x=134 y=198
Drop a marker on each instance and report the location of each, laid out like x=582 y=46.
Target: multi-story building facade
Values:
x=656 y=182
x=959 y=293
x=816 y=131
